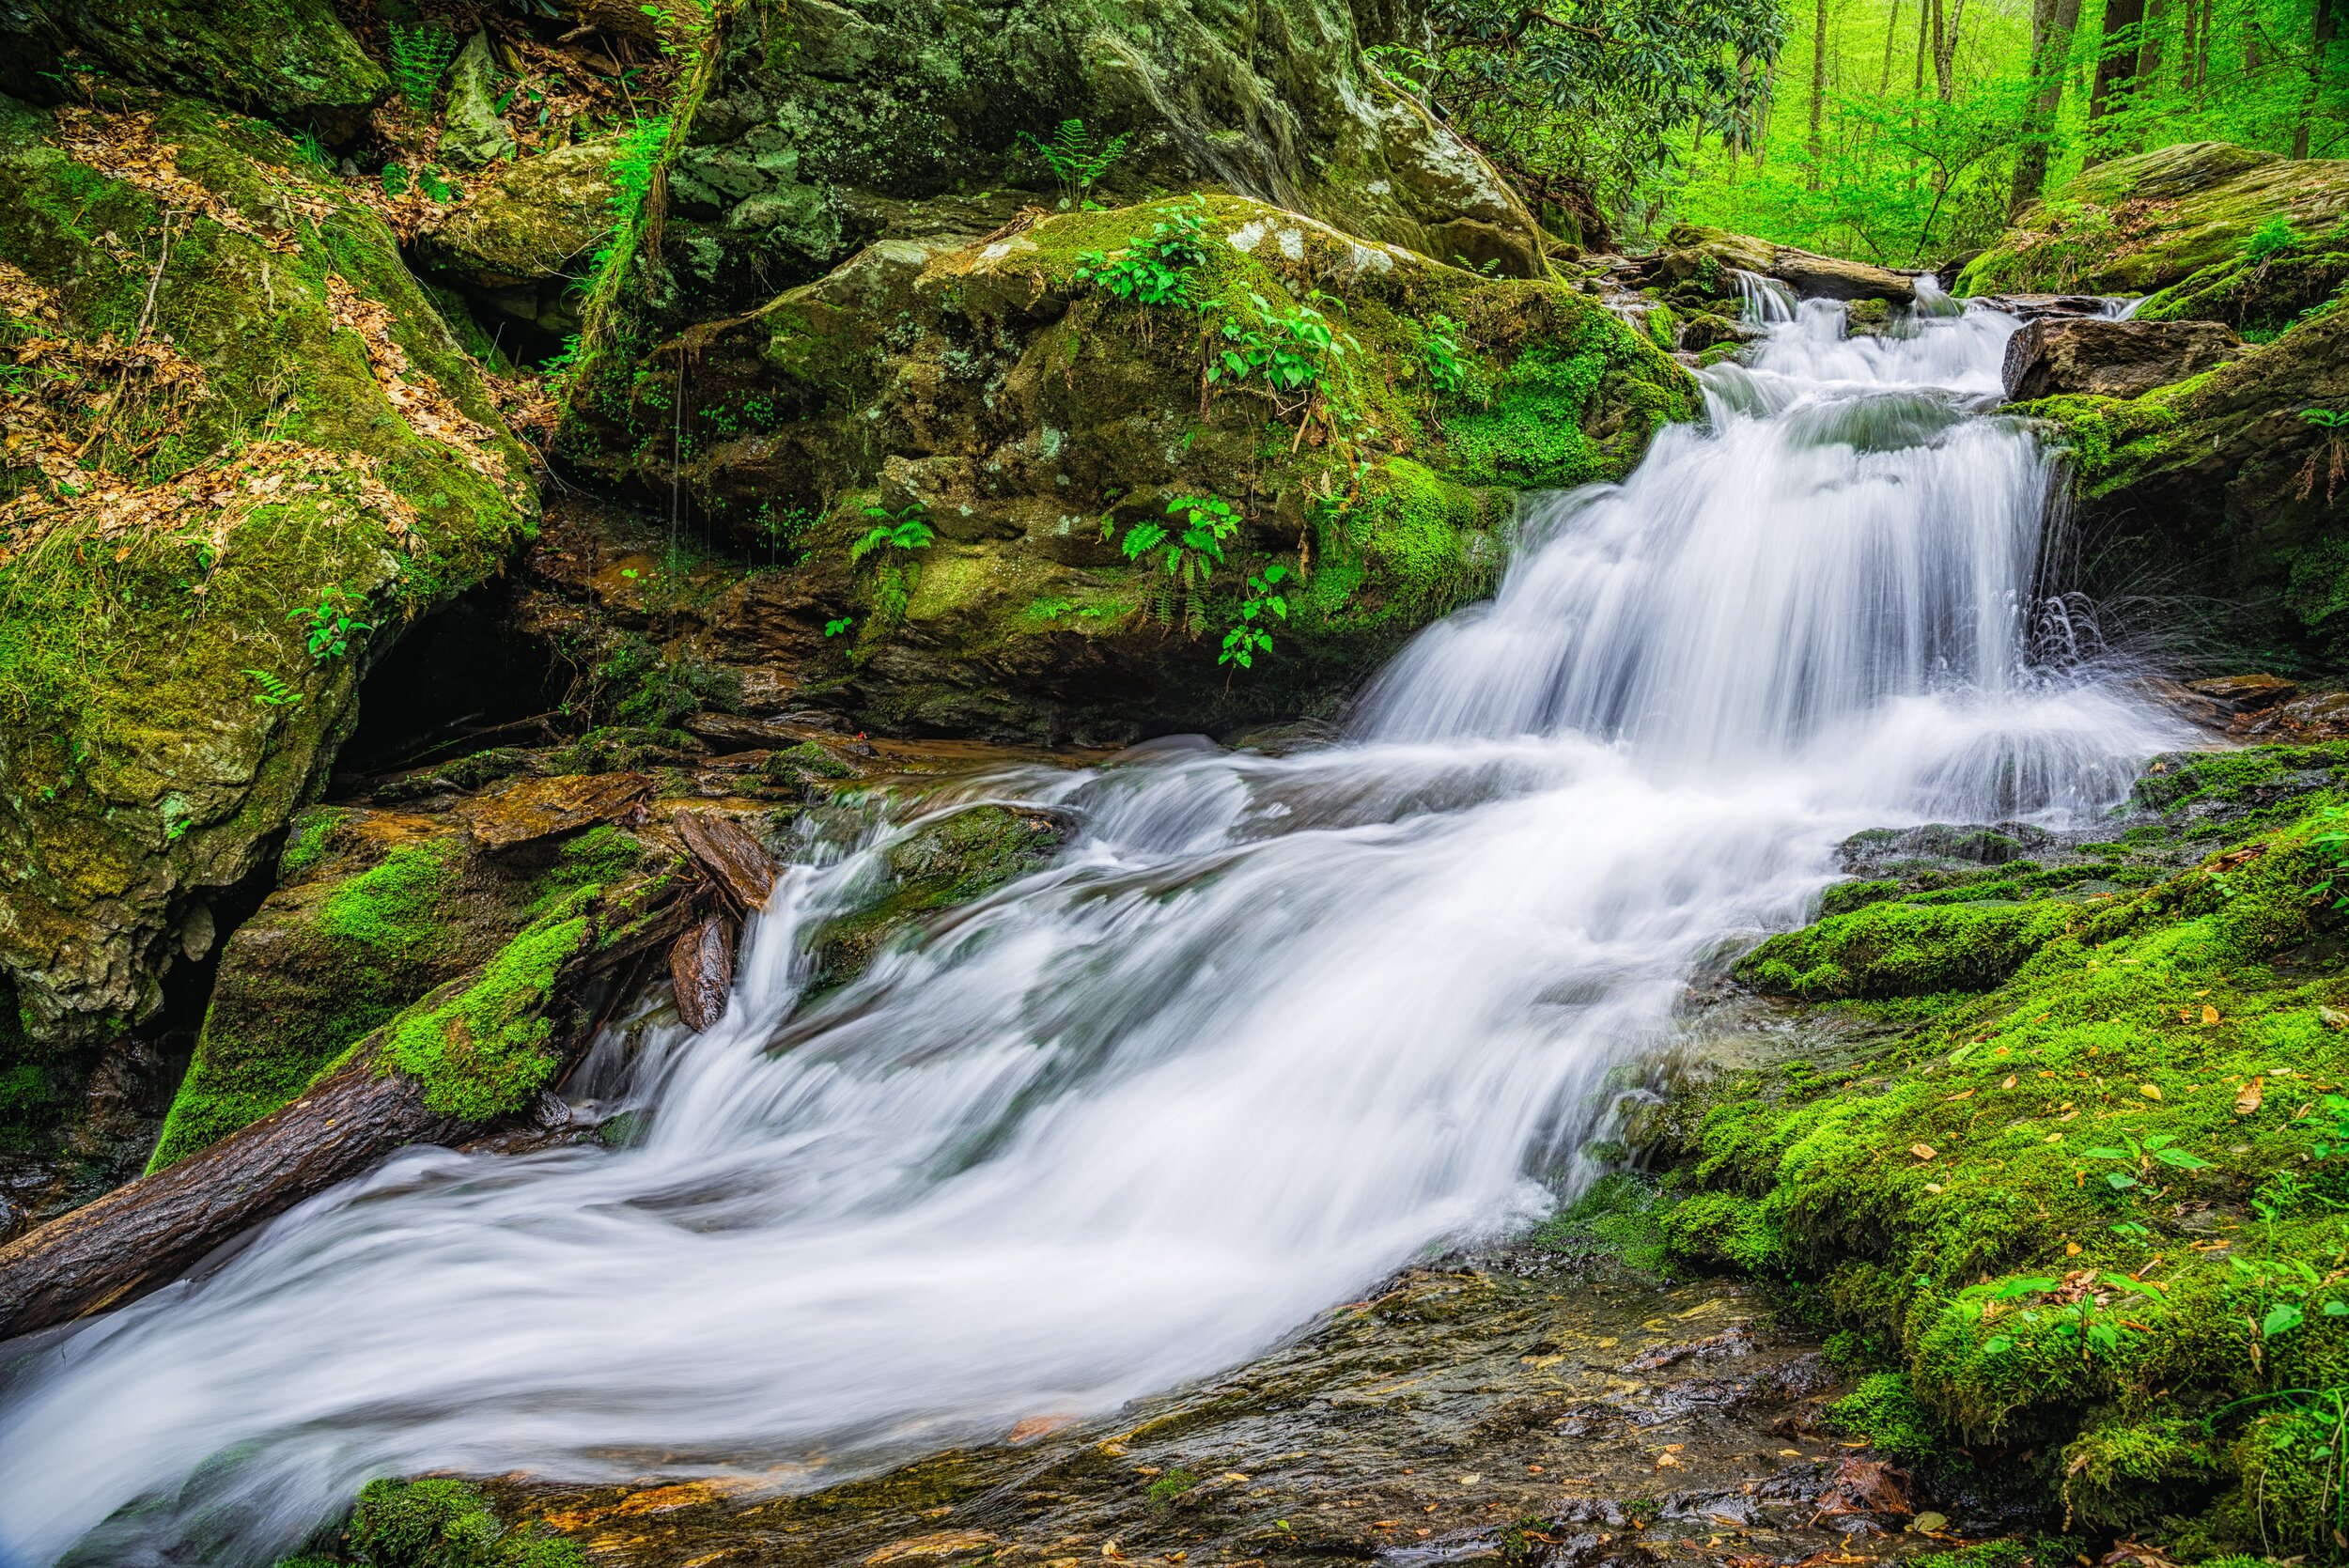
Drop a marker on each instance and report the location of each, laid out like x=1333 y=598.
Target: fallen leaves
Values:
x=2247 y=1098
x=125 y=147
x=416 y=395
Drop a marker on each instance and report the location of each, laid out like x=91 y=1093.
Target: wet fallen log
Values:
x=148 y=1233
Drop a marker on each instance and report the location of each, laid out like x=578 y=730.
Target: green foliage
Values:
x=273 y=693
x=1159 y=270
x=1077 y=157
x=1185 y=556
x=2272 y=237
x=435 y=1523
x=1249 y=636
x=328 y=626
x=907 y=530
x=1290 y=348
x=421 y=54
x=1444 y=356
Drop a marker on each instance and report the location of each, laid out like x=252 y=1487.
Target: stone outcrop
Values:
x=1707 y=257
x=997 y=393
x=292 y=60
x=2233 y=485
x=829 y=127
x=523 y=236
x=2210 y=231
x=296 y=459
x=2111 y=359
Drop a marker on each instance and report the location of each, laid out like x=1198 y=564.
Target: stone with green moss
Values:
x=162 y=717
x=2210 y=230
x=292 y=60
x=959 y=857
x=434 y=1523
x=1032 y=421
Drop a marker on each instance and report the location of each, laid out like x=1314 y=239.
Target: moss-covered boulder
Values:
x=2233 y=485
x=291 y=60
x=1699 y=264
x=373 y=911
x=245 y=451
x=2211 y=231
x=1017 y=432
x=948 y=860
x=829 y=127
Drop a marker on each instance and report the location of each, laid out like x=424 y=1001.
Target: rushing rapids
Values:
x=1268 y=1028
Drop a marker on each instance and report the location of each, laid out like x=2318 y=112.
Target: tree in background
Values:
x=1928 y=123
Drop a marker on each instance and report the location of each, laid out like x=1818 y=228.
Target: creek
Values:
x=1270 y=1028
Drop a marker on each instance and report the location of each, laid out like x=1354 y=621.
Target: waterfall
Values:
x=1266 y=1029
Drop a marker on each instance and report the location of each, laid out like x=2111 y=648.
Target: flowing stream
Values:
x=1266 y=1030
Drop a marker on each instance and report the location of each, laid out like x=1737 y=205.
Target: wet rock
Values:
x=949 y=862
x=536 y=809
x=474 y=133
x=2111 y=359
x=1708 y=256
x=701 y=971
x=1882 y=849
x=2233 y=695
x=2039 y=307
x=731 y=856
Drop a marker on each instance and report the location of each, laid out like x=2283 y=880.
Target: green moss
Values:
x=2062 y=1199
x=1883 y=1409
x=950 y=861
x=436 y=1524
x=482 y=1051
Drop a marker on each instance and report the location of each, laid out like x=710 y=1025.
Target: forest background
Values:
x=1901 y=131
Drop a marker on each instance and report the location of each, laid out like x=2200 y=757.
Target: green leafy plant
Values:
x=2329 y=1120
x=833 y=629
x=1183 y=556
x=396 y=180
x=2082 y=1312
x=2286 y=1286
x=1157 y=269
x=328 y=626
x=906 y=530
x=2158 y=1149
x=2271 y=239
x=1442 y=355
x=420 y=52
x=273 y=693
x=435 y=185
x=1077 y=157
x=1290 y=350
x=1249 y=635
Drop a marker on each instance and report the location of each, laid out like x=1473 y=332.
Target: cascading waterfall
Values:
x=1268 y=1029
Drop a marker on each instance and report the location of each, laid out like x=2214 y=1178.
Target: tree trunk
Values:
x=2116 y=63
x=1818 y=92
x=2321 y=35
x=2149 y=43
x=2052 y=25
x=1945 y=46
x=1891 y=32
x=2189 y=35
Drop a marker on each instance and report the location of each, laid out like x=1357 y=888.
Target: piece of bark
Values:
x=734 y=859
x=536 y=809
x=701 y=967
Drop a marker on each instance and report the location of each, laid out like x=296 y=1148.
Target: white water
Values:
x=1268 y=1029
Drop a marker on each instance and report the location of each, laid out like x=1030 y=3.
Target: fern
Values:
x=421 y=54
x=274 y=693
x=1077 y=158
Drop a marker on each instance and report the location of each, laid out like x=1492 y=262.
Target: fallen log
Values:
x=701 y=969
x=731 y=856
x=148 y=1233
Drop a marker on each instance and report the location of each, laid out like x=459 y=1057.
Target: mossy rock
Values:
x=532 y=221
x=1031 y=420
x=375 y=910
x=291 y=60
x=828 y=129
x=952 y=860
x=2223 y=485
x=161 y=717
x=2180 y=224
x=433 y=1523
x=2040 y=1197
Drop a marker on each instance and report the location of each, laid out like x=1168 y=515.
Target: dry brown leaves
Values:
x=25 y=298
x=124 y=147
x=416 y=395
x=1865 y=1487
x=101 y=402
x=205 y=505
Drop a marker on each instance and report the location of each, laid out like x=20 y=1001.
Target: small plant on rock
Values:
x=1185 y=556
x=907 y=530
x=328 y=626
x=420 y=52
x=1078 y=158
x=1249 y=636
x=1154 y=270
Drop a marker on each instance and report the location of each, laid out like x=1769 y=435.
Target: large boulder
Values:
x=292 y=60
x=2111 y=359
x=2224 y=488
x=525 y=235
x=833 y=125
x=1000 y=395
x=251 y=451
x=2208 y=230
x=1706 y=258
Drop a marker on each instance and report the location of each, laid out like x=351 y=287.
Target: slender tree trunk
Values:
x=2116 y=63
x=2188 y=41
x=2321 y=36
x=2149 y=43
x=2052 y=25
x=1818 y=92
x=1891 y=32
x=1945 y=46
